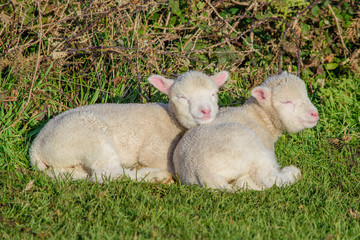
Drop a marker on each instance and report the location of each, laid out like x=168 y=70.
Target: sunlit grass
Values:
x=324 y=204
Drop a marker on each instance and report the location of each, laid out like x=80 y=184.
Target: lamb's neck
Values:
x=173 y=118
x=265 y=118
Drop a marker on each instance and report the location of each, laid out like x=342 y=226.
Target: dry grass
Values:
x=150 y=36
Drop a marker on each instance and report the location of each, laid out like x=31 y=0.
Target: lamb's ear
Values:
x=262 y=95
x=161 y=83
x=220 y=77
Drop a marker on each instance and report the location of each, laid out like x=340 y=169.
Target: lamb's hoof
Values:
x=168 y=181
x=247 y=183
x=295 y=171
x=162 y=176
x=290 y=175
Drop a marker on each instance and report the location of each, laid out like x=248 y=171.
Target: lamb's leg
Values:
x=214 y=181
x=144 y=174
x=246 y=182
x=75 y=172
x=288 y=175
x=154 y=175
x=269 y=173
x=108 y=170
x=107 y=164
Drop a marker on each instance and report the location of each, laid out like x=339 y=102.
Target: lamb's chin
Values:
x=309 y=123
x=201 y=121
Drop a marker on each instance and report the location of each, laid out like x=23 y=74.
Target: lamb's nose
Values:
x=205 y=111
x=315 y=114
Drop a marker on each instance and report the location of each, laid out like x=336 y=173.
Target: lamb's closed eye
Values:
x=183 y=98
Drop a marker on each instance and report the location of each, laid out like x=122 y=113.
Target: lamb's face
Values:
x=291 y=102
x=194 y=101
x=193 y=96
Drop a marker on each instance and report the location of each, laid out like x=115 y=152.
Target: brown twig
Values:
x=339 y=29
x=254 y=4
x=216 y=12
x=240 y=3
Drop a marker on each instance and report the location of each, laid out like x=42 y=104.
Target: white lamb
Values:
x=137 y=140
x=236 y=150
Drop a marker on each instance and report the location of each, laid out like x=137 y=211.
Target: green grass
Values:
x=324 y=204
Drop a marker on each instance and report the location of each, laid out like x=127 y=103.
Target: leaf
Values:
x=223 y=15
x=155 y=16
x=305 y=27
x=200 y=5
x=188 y=46
x=234 y=10
x=29 y=186
x=331 y=66
x=175 y=7
x=204 y=25
x=172 y=21
x=315 y=11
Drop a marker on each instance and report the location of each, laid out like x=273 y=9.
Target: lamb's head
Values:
x=286 y=97
x=193 y=95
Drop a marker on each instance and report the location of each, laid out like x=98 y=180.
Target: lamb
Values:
x=136 y=140
x=236 y=150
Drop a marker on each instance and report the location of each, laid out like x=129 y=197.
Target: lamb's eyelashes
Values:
x=186 y=99
x=183 y=98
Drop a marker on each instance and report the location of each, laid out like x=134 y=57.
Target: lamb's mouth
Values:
x=312 y=123
x=205 y=119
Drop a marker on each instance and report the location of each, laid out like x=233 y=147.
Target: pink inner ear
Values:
x=260 y=94
x=161 y=83
x=220 y=78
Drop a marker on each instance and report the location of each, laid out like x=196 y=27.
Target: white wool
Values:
x=236 y=150
x=136 y=140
